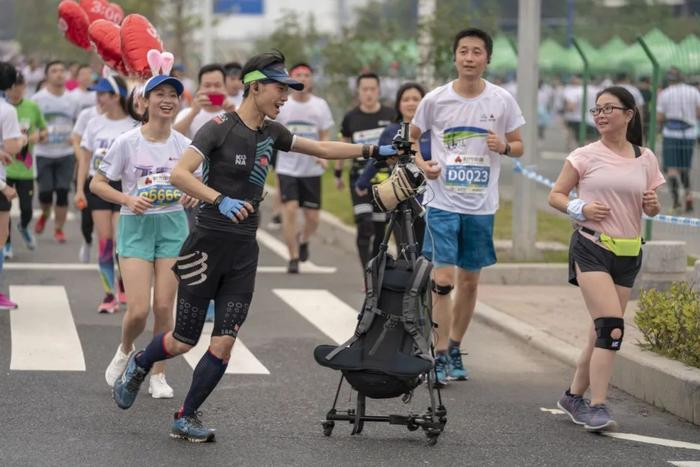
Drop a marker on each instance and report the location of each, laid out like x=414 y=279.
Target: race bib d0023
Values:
x=467 y=174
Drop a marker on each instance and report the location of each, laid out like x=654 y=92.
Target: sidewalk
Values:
x=554 y=320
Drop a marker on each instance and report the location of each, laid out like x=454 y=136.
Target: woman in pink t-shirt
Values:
x=616 y=182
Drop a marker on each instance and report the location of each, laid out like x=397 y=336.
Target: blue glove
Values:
x=230 y=206
x=386 y=150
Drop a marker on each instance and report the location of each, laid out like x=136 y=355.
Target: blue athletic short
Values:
x=461 y=240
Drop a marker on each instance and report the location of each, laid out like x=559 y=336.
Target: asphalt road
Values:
x=268 y=411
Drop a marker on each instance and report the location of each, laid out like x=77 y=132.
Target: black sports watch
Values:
x=506 y=151
x=218 y=200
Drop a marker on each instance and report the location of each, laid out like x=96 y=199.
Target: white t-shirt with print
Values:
x=144 y=168
x=468 y=182
x=84 y=118
x=198 y=121
x=60 y=113
x=99 y=136
x=680 y=102
x=9 y=127
x=305 y=119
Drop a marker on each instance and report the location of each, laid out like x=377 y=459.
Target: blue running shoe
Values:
x=126 y=388
x=27 y=237
x=599 y=419
x=211 y=312
x=191 y=429
x=456 y=370
x=441 y=364
x=7 y=251
x=576 y=407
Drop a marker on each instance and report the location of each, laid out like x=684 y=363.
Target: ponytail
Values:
x=635 y=135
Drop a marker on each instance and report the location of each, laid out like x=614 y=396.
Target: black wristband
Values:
x=367 y=150
x=218 y=200
x=338 y=173
x=506 y=151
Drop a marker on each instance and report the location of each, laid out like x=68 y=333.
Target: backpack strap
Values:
x=411 y=303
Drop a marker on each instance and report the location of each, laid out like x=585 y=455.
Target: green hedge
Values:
x=670 y=322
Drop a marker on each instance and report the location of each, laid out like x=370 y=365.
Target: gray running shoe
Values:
x=576 y=407
x=599 y=419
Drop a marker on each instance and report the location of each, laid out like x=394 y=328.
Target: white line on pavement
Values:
x=309 y=269
x=685 y=463
x=280 y=249
x=43 y=332
x=328 y=313
x=242 y=360
x=552 y=411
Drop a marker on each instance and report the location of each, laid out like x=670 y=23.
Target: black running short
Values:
x=305 y=190
x=592 y=257
x=5 y=204
x=95 y=203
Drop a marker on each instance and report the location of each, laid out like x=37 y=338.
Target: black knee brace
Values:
x=190 y=315
x=46 y=197
x=365 y=226
x=441 y=289
x=61 y=197
x=604 y=328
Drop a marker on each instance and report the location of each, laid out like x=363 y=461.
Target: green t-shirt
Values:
x=30 y=119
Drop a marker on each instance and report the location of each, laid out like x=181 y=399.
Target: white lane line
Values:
x=280 y=249
x=242 y=362
x=685 y=463
x=328 y=313
x=44 y=337
x=671 y=443
x=309 y=269
x=552 y=411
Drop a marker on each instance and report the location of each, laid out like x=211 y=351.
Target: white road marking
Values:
x=328 y=313
x=552 y=411
x=305 y=268
x=242 y=361
x=685 y=463
x=43 y=333
x=280 y=249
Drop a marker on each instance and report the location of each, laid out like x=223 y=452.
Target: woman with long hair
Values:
x=616 y=181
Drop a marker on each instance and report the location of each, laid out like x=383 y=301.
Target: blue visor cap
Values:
x=108 y=85
x=278 y=75
x=157 y=80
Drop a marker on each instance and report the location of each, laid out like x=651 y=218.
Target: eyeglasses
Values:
x=606 y=109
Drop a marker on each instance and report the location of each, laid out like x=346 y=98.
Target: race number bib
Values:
x=157 y=189
x=59 y=133
x=467 y=174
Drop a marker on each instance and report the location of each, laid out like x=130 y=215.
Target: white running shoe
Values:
x=84 y=255
x=117 y=366
x=158 y=387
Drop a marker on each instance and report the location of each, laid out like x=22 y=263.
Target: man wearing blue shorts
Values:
x=473 y=123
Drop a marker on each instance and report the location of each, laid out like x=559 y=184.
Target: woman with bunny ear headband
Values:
x=219 y=259
x=153 y=224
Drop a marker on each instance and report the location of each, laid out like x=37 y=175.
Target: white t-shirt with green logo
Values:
x=468 y=182
x=60 y=113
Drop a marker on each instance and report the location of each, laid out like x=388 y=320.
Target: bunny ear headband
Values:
x=161 y=63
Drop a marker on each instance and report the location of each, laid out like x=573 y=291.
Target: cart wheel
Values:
x=412 y=427
x=328 y=426
x=432 y=439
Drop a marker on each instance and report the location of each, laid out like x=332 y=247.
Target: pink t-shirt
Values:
x=617 y=182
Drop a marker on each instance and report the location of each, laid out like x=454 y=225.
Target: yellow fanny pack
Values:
x=622 y=246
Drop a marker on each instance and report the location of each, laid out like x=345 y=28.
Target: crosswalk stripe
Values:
x=280 y=249
x=242 y=360
x=43 y=333
x=325 y=311
x=311 y=269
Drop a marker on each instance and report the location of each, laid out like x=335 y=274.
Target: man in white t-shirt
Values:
x=678 y=111
x=54 y=154
x=234 y=83
x=83 y=97
x=209 y=101
x=299 y=175
x=473 y=124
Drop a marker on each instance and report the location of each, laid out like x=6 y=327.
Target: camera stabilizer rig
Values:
x=383 y=371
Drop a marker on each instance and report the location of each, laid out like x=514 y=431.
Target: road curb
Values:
x=665 y=383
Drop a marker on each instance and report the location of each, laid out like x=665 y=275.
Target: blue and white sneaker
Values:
x=126 y=388
x=27 y=237
x=576 y=407
x=441 y=365
x=600 y=419
x=456 y=370
x=191 y=429
x=7 y=251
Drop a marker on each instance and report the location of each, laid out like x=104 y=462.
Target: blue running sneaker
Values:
x=576 y=407
x=441 y=364
x=599 y=419
x=7 y=251
x=456 y=370
x=191 y=429
x=126 y=388
x=27 y=237
x=211 y=312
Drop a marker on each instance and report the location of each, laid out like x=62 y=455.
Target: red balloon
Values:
x=101 y=9
x=106 y=38
x=138 y=36
x=73 y=23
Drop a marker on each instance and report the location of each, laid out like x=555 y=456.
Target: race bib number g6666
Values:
x=467 y=174
x=157 y=189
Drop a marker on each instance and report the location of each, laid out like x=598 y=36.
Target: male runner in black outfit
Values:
x=219 y=258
